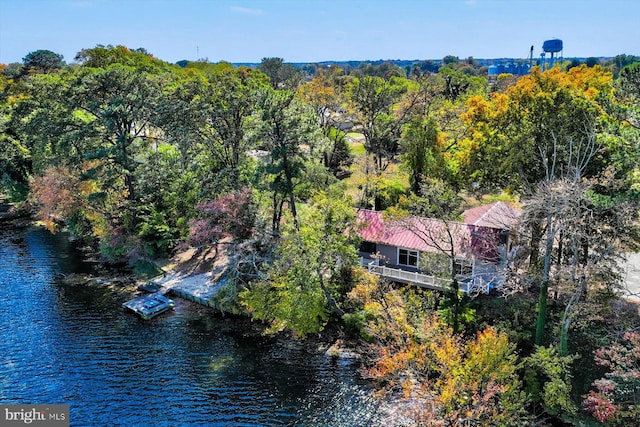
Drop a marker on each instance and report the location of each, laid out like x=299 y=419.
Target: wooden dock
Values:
x=148 y=306
x=199 y=288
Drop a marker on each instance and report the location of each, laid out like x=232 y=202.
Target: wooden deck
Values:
x=419 y=279
x=402 y=276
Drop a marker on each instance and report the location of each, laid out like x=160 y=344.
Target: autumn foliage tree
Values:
x=60 y=198
x=446 y=377
x=616 y=398
x=532 y=125
x=230 y=215
x=547 y=128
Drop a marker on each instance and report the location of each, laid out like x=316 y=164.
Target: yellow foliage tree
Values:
x=511 y=135
x=447 y=378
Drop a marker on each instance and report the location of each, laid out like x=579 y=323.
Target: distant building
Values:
x=509 y=68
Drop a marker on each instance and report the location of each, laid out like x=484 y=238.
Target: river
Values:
x=63 y=344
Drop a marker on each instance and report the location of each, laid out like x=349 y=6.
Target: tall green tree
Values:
x=99 y=122
x=288 y=129
x=45 y=124
x=305 y=284
x=433 y=129
x=102 y=56
x=282 y=75
x=15 y=157
x=118 y=107
x=43 y=61
x=168 y=196
x=208 y=117
x=373 y=99
x=420 y=152
x=326 y=98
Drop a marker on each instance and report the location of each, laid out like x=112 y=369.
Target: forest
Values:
x=139 y=159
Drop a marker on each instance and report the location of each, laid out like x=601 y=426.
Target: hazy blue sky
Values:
x=316 y=30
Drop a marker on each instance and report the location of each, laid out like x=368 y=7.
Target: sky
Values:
x=320 y=30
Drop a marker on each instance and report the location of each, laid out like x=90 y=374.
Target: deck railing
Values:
x=404 y=276
x=422 y=280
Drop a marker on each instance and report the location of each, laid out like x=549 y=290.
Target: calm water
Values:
x=76 y=345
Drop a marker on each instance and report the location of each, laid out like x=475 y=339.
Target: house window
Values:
x=408 y=257
x=463 y=267
x=368 y=247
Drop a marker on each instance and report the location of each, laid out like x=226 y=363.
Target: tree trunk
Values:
x=455 y=288
x=277 y=212
x=129 y=182
x=560 y=250
x=544 y=284
x=541 y=321
x=294 y=212
x=577 y=294
x=536 y=237
x=330 y=300
x=564 y=330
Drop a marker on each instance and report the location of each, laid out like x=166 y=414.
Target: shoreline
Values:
x=93 y=348
x=185 y=266
x=331 y=343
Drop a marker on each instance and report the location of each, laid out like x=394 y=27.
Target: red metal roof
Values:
x=478 y=233
x=495 y=215
x=422 y=234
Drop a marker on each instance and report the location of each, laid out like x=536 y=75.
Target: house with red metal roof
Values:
x=475 y=247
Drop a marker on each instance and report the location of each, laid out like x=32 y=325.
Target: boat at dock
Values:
x=149 y=306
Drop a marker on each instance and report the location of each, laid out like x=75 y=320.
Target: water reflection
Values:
x=74 y=344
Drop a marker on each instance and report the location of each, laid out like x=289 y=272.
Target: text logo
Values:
x=34 y=415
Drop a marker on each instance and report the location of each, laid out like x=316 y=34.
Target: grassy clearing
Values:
x=357 y=148
x=357 y=180
x=356 y=143
x=472 y=200
x=395 y=174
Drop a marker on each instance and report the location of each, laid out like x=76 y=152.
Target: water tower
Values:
x=551 y=46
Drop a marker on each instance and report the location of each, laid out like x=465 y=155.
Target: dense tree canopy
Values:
x=281 y=75
x=533 y=125
x=305 y=285
x=141 y=158
x=43 y=61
